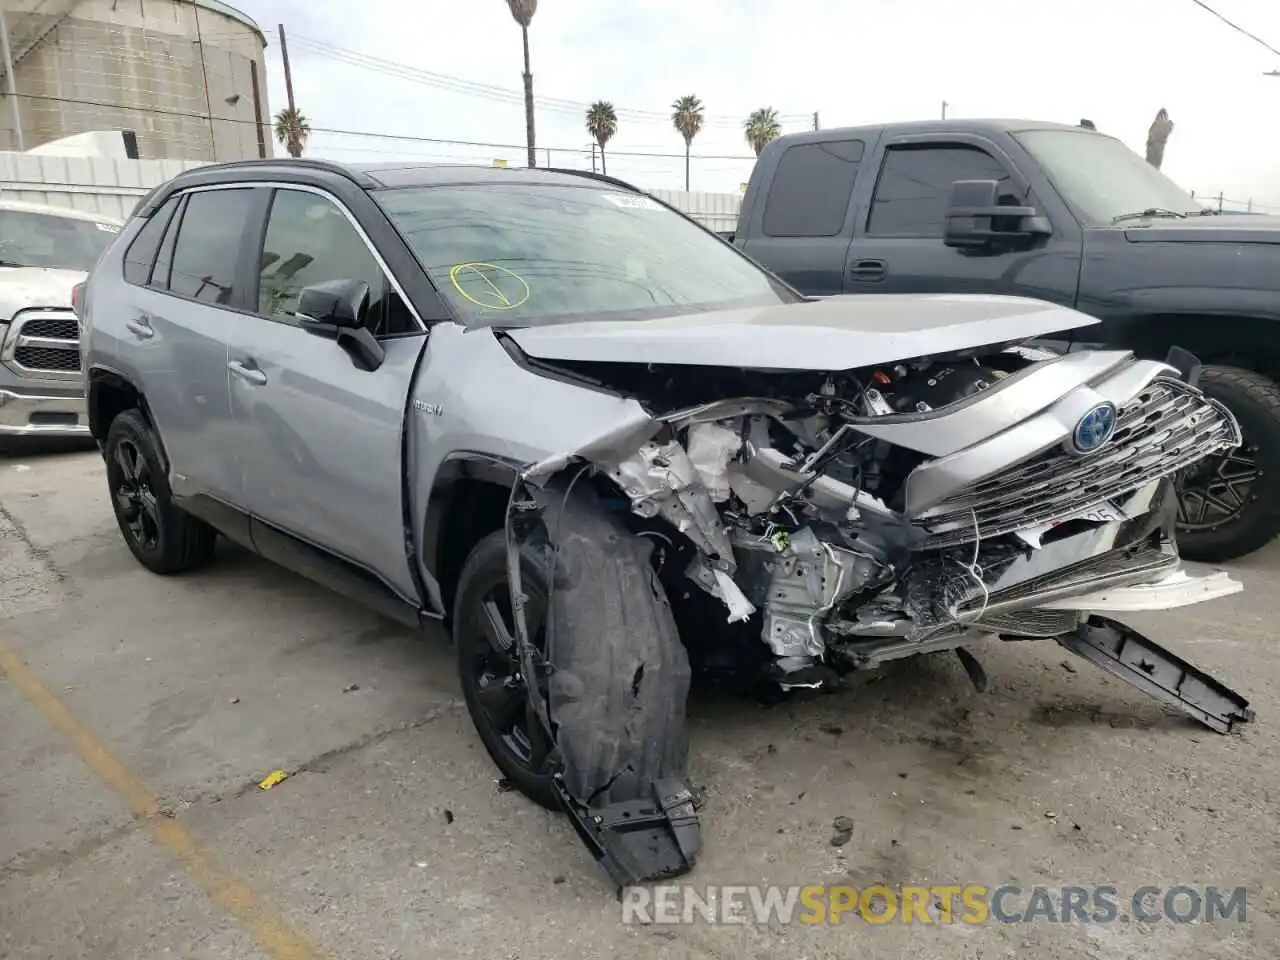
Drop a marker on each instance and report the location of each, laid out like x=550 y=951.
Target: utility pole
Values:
x=13 y=87
x=528 y=95
x=593 y=156
x=1219 y=201
x=944 y=109
x=204 y=76
x=815 y=121
x=288 y=74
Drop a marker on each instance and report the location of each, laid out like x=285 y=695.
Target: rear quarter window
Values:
x=811 y=189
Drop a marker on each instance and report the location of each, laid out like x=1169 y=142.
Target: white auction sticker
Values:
x=107 y=227
x=632 y=202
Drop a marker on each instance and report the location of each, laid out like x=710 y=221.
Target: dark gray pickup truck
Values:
x=1063 y=214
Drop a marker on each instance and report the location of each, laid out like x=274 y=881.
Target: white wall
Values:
x=104 y=185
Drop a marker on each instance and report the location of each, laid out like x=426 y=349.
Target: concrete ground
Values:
x=137 y=715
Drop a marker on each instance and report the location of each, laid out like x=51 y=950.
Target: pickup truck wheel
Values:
x=162 y=537
x=620 y=674
x=1229 y=505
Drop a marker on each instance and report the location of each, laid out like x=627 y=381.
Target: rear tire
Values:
x=621 y=676
x=1229 y=506
x=164 y=539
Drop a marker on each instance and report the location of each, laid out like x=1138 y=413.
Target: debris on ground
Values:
x=1067 y=667
x=448 y=816
x=272 y=778
x=504 y=785
x=843 y=831
x=351 y=688
x=234 y=700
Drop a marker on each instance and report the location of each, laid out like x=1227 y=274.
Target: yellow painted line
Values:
x=269 y=929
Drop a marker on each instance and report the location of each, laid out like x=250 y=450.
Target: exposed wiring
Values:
x=975 y=570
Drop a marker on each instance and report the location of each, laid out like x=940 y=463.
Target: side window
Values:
x=208 y=246
x=811 y=189
x=310 y=240
x=141 y=254
x=915 y=187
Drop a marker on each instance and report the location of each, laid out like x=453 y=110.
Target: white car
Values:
x=45 y=252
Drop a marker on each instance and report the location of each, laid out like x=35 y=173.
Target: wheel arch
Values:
x=1252 y=343
x=109 y=393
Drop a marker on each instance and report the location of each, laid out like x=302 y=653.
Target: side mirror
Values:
x=338 y=310
x=333 y=305
x=976 y=218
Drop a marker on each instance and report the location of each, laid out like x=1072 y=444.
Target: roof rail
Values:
x=592 y=175
x=331 y=166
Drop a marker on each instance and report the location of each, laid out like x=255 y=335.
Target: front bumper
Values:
x=42 y=414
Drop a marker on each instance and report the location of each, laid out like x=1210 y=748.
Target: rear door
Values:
x=184 y=304
x=322 y=437
x=898 y=242
x=803 y=224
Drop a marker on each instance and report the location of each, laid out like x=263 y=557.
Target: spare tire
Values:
x=1229 y=505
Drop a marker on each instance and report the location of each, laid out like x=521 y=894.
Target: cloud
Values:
x=855 y=63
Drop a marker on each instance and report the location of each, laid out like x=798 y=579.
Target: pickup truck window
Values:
x=812 y=188
x=914 y=187
x=208 y=245
x=1102 y=178
x=530 y=254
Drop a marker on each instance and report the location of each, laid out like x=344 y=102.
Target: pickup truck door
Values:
x=321 y=438
x=902 y=201
x=801 y=226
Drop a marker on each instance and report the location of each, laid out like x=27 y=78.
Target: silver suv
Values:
x=613 y=453
x=44 y=253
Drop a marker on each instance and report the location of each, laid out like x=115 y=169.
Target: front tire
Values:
x=1229 y=505
x=161 y=536
x=620 y=678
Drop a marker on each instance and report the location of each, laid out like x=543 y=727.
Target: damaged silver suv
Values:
x=612 y=453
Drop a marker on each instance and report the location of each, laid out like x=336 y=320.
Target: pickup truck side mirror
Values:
x=338 y=310
x=976 y=218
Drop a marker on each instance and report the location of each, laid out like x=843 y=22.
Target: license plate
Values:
x=1098 y=513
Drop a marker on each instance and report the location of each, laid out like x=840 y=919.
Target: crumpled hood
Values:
x=25 y=287
x=835 y=333
x=1245 y=228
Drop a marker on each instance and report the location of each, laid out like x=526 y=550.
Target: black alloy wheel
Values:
x=135 y=497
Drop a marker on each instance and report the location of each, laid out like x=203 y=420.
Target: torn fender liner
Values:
x=639 y=841
x=1128 y=655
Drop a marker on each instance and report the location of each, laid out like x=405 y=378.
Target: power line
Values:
x=373 y=135
x=491 y=92
x=1236 y=27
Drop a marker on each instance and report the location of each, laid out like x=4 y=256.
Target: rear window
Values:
x=811 y=189
x=48 y=240
x=526 y=254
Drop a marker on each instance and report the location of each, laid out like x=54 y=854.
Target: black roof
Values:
x=368 y=176
x=965 y=125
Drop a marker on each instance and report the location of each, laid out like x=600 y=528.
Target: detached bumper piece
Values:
x=640 y=841
x=1126 y=654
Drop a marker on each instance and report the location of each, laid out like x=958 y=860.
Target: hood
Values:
x=1241 y=228
x=835 y=333
x=22 y=288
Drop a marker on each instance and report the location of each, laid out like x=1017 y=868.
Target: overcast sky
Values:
x=854 y=61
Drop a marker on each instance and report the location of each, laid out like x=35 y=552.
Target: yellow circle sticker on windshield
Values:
x=489 y=286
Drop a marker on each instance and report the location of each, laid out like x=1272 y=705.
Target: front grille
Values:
x=47 y=358
x=46 y=341
x=1031 y=623
x=1164 y=429
x=59 y=328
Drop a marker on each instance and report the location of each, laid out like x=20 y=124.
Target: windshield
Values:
x=531 y=254
x=1102 y=178
x=48 y=240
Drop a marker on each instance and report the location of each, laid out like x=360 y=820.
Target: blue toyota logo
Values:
x=1094 y=428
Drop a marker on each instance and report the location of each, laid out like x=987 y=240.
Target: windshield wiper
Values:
x=1149 y=212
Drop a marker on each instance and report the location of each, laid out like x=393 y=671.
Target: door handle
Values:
x=140 y=327
x=868 y=271
x=247 y=373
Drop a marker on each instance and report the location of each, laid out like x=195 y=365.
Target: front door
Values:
x=321 y=437
x=899 y=248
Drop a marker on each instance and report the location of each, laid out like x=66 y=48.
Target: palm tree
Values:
x=523 y=11
x=762 y=128
x=292 y=130
x=687 y=116
x=602 y=124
